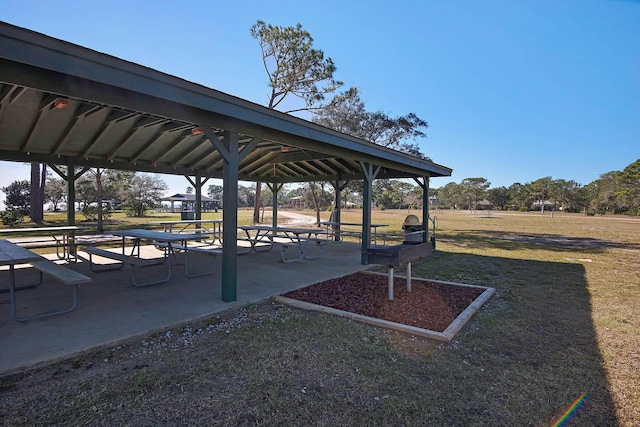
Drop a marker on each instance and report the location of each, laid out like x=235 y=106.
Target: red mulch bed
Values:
x=429 y=305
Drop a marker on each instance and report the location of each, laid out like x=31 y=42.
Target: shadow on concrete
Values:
x=110 y=310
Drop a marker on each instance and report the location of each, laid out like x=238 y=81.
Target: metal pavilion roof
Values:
x=60 y=101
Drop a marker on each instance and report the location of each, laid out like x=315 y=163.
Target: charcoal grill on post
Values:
x=398 y=255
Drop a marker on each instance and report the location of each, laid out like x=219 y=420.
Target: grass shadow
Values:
x=529 y=352
x=519 y=241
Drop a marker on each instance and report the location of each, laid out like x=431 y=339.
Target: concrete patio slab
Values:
x=110 y=310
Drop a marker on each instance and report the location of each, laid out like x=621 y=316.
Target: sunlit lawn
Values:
x=607 y=250
x=564 y=321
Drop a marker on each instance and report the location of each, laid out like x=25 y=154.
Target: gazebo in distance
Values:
x=188 y=202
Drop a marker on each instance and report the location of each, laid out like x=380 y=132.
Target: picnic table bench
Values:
x=334 y=230
x=123 y=259
x=169 y=241
x=12 y=255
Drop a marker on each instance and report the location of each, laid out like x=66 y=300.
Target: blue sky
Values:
x=513 y=90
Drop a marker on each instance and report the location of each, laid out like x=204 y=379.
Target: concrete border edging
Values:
x=446 y=336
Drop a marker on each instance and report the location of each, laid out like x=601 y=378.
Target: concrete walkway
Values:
x=110 y=310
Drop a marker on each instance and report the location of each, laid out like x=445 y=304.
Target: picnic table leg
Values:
x=390 y=282
x=260 y=238
x=134 y=279
x=253 y=240
x=296 y=243
x=303 y=245
x=66 y=242
x=320 y=243
x=187 y=273
x=92 y=266
x=136 y=245
x=12 y=290
x=29 y=286
x=290 y=260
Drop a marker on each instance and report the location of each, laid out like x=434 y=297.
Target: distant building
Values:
x=434 y=202
x=188 y=202
x=538 y=204
x=296 y=203
x=484 y=205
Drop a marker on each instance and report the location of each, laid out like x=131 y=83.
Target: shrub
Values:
x=12 y=216
x=138 y=211
x=91 y=212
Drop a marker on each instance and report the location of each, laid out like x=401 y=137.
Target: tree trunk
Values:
x=99 y=188
x=332 y=215
x=316 y=200
x=256 y=204
x=36 y=194
x=33 y=194
x=43 y=181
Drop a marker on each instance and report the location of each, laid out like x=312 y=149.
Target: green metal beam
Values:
x=370 y=172
x=275 y=189
x=337 y=209
x=198 y=186
x=230 y=217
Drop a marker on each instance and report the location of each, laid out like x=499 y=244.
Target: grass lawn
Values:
x=564 y=321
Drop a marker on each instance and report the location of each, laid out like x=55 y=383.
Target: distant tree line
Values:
x=135 y=193
x=614 y=192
